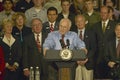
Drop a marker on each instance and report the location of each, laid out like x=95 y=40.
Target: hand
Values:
x=111 y=64
x=82 y=62
x=11 y=68
x=15 y=67
x=26 y=73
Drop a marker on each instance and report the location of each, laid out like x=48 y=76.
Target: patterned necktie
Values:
x=38 y=43
x=63 y=41
x=81 y=37
x=104 y=27
x=51 y=28
x=118 y=49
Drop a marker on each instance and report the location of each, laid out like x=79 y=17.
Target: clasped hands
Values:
x=12 y=68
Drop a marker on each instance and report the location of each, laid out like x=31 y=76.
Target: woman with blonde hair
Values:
x=12 y=51
x=20 y=29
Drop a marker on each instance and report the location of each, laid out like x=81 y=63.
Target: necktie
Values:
x=118 y=49
x=81 y=37
x=38 y=43
x=103 y=27
x=63 y=41
x=51 y=28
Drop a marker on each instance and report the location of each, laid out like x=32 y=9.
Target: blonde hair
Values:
x=5 y=22
x=17 y=15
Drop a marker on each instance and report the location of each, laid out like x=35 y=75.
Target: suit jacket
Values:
x=103 y=38
x=111 y=53
x=12 y=54
x=31 y=55
x=46 y=27
x=90 y=42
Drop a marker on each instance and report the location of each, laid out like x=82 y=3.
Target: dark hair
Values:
x=3 y=2
x=113 y=1
x=65 y=1
x=52 y=9
x=110 y=8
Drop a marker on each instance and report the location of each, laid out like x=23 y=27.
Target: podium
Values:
x=64 y=65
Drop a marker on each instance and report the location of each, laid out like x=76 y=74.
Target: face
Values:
x=8 y=5
x=89 y=5
x=65 y=6
x=37 y=3
x=80 y=22
x=8 y=28
x=64 y=26
x=104 y=13
x=52 y=16
x=79 y=1
x=109 y=3
x=117 y=31
x=36 y=26
x=20 y=21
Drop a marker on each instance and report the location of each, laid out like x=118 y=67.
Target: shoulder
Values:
x=71 y=33
x=45 y=23
x=96 y=13
x=29 y=10
x=54 y=33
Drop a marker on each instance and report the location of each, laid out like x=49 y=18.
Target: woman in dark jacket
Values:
x=12 y=51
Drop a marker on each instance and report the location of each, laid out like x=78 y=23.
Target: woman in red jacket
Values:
x=2 y=63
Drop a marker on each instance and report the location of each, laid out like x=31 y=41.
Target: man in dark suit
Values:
x=32 y=51
x=104 y=32
x=51 y=24
x=84 y=70
x=113 y=55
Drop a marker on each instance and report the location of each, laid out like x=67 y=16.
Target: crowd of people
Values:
x=28 y=28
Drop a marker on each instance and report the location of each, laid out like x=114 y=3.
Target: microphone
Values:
x=62 y=43
x=68 y=43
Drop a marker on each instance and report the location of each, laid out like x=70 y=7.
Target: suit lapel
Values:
x=85 y=35
x=108 y=27
x=56 y=26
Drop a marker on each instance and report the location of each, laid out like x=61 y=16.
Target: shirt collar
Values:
x=52 y=23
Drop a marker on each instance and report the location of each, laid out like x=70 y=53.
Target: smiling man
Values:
x=53 y=39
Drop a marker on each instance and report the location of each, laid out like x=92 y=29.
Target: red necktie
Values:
x=51 y=28
x=38 y=43
x=81 y=37
x=118 y=49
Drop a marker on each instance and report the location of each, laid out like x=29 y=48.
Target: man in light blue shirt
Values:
x=56 y=42
x=53 y=39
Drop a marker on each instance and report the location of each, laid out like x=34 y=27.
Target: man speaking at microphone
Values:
x=63 y=38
